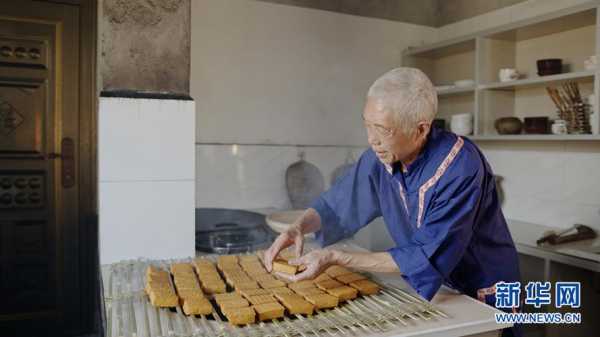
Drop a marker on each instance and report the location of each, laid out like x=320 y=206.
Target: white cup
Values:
x=508 y=74
x=559 y=127
x=462 y=124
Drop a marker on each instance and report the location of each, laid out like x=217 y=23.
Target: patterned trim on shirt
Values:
x=403 y=196
x=438 y=174
x=388 y=168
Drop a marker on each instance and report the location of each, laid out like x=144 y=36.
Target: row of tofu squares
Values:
x=247 y=305
x=253 y=286
x=189 y=293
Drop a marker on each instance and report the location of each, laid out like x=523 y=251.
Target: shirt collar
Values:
x=421 y=157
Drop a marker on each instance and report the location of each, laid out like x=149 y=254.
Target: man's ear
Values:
x=423 y=129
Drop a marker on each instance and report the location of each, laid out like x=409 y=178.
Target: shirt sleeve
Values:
x=440 y=243
x=350 y=204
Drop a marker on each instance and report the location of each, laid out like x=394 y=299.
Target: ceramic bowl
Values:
x=508 y=125
x=282 y=220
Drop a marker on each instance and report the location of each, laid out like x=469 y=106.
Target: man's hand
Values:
x=309 y=222
x=292 y=236
x=316 y=262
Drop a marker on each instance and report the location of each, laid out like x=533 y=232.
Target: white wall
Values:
x=550 y=183
x=146 y=178
x=270 y=73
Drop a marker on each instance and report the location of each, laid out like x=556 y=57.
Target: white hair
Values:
x=408 y=94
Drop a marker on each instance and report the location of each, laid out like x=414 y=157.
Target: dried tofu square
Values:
x=264 y=277
x=157 y=274
x=253 y=292
x=186 y=283
x=210 y=279
x=240 y=316
x=301 y=284
x=189 y=293
x=227 y=297
x=181 y=268
x=214 y=287
x=227 y=259
x=349 y=278
x=260 y=299
x=233 y=304
x=309 y=291
x=248 y=258
x=234 y=273
x=286 y=254
x=201 y=261
x=322 y=277
x=239 y=279
x=282 y=290
x=249 y=264
x=228 y=268
x=322 y=301
x=205 y=267
x=282 y=266
x=197 y=306
x=271 y=284
x=336 y=270
x=343 y=293
x=155 y=284
x=366 y=287
x=246 y=285
x=295 y=304
x=256 y=272
x=328 y=284
x=269 y=311
x=163 y=299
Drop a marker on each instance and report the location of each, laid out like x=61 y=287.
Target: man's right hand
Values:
x=293 y=236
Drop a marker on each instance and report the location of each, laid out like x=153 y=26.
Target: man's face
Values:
x=387 y=141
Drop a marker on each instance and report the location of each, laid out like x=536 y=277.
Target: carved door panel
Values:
x=39 y=129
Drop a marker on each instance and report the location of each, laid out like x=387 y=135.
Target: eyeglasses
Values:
x=380 y=130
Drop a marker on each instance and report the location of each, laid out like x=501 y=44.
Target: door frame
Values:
x=89 y=268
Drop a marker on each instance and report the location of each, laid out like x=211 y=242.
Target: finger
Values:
x=284 y=276
x=299 y=244
x=310 y=273
x=273 y=251
x=302 y=260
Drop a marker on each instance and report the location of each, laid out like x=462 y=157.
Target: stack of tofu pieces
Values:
x=210 y=279
x=251 y=300
x=190 y=294
x=159 y=288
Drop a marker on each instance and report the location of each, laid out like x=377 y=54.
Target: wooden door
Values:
x=40 y=165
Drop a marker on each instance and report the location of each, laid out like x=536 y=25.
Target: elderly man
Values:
x=434 y=189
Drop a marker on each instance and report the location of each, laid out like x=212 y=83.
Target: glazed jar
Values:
x=559 y=127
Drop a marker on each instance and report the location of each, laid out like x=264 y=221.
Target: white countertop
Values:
x=580 y=254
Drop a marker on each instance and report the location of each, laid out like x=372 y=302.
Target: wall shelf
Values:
x=536 y=137
x=541 y=80
x=571 y=34
x=453 y=91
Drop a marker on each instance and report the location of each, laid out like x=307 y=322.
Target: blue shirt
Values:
x=442 y=212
